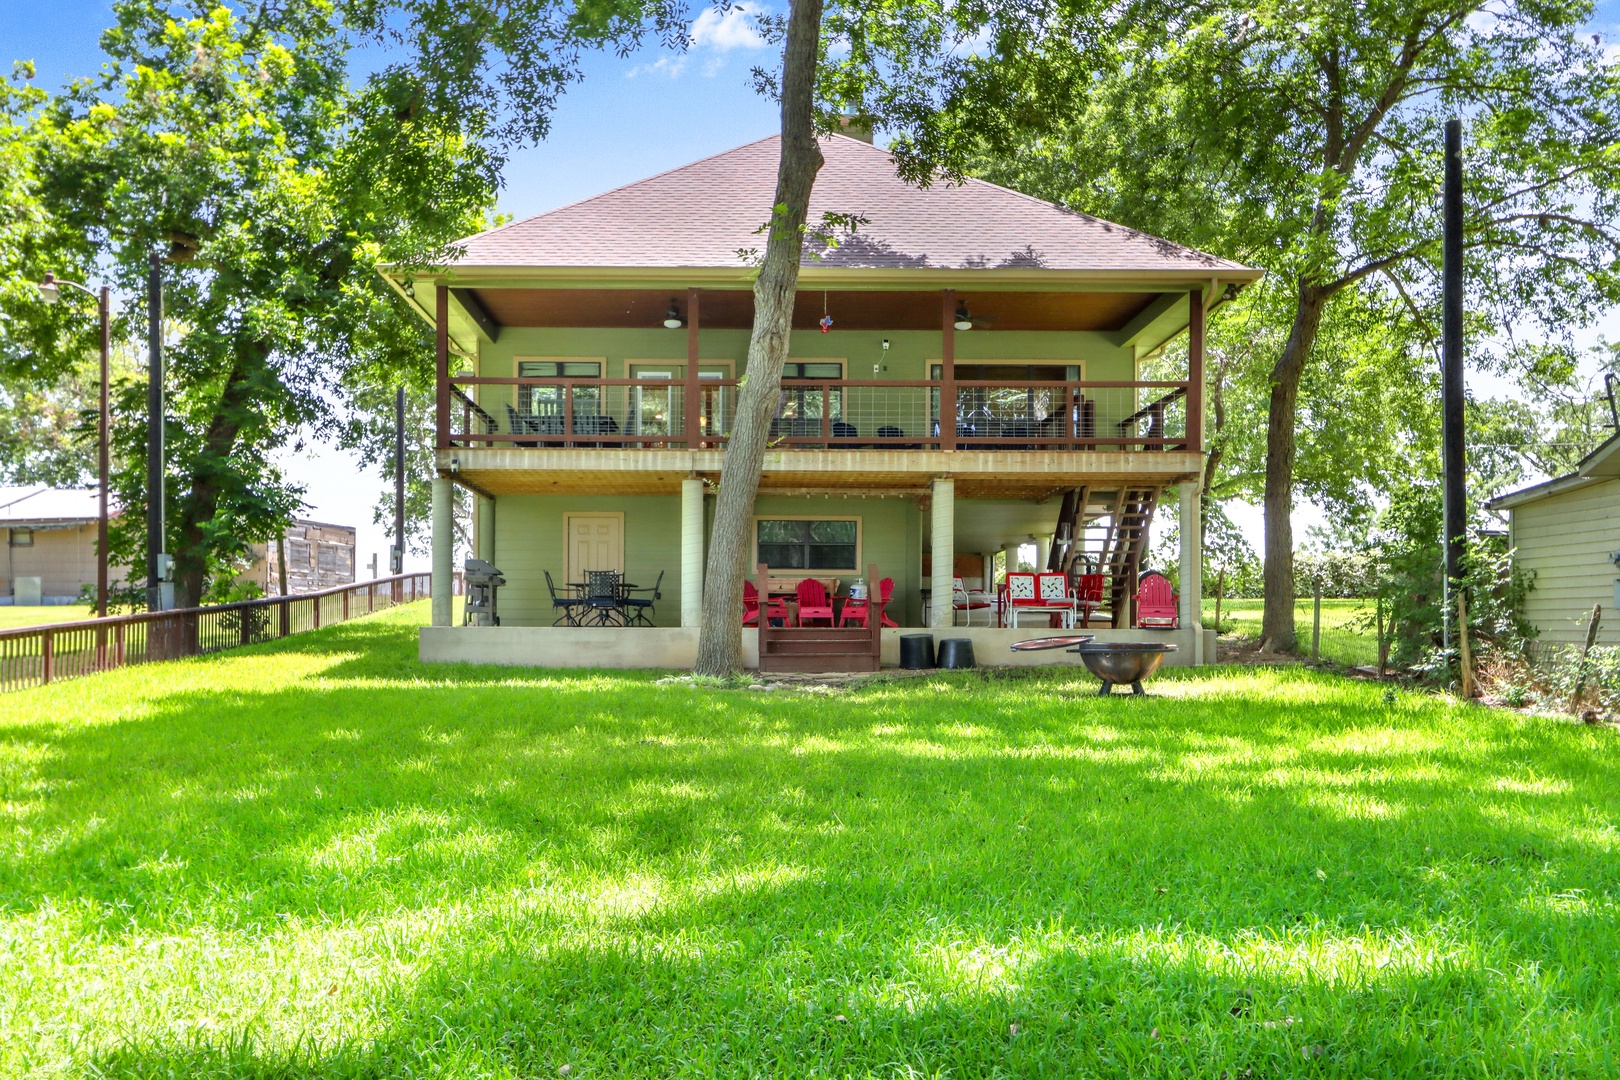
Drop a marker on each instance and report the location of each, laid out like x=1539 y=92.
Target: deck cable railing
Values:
x=36 y=655
x=845 y=414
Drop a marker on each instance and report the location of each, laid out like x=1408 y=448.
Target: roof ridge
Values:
x=616 y=190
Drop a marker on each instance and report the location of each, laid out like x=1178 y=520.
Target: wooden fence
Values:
x=36 y=655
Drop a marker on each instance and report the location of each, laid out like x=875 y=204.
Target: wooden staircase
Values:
x=1121 y=544
x=819 y=648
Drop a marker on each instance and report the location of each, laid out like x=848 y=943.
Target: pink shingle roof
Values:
x=699 y=215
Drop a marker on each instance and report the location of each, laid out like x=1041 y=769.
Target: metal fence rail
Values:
x=36 y=655
x=813 y=414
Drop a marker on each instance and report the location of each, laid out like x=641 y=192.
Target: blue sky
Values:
x=630 y=118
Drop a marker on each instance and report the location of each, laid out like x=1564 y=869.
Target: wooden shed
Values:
x=1566 y=532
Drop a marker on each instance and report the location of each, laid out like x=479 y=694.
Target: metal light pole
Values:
x=157 y=559
x=50 y=291
x=397 y=557
x=1452 y=441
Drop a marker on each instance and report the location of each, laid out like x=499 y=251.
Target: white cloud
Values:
x=723 y=32
x=671 y=66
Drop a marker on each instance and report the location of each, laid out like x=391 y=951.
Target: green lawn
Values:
x=12 y=617
x=321 y=858
x=1343 y=640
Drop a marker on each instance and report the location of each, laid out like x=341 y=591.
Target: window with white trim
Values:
x=808 y=543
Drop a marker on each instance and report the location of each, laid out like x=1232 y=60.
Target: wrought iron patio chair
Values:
x=603 y=602
x=568 y=605
x=638 y=608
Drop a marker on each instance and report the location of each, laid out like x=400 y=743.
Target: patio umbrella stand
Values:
x=1116 y=663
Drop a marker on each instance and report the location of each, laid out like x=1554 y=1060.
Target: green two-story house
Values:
x=964 y=378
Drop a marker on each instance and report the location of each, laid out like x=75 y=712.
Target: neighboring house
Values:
x=1566 y=532
x=979 y=356
x=319 y=556
x=50 y=544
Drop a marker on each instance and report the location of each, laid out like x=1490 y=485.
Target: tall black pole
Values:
x=103 y=449
x=1451 y=365
x=399 y=482
x=156 y=557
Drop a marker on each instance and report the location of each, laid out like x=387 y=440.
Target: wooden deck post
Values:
x=47 y=656
x=1195 y=372
x=694 y=385
x=874 y=614
x=441 y=366
x=763 y=573
x=947 y=371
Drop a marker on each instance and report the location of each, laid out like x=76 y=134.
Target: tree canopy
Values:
x=1306 y=139
x=231 y=142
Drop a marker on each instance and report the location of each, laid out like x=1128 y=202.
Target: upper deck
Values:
x=578 y=388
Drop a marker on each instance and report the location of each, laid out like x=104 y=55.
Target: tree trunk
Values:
x=720 y=640
x=1277 y=626
x=201 y=502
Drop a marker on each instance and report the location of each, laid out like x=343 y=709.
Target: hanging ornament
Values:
x=826 y=319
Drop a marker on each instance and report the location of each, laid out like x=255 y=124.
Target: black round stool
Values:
x=916 y=651
x=956 y=653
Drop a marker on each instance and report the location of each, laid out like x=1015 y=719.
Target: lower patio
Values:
x=942 y=528
x=676 y=646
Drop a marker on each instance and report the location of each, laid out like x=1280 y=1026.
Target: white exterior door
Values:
x=595 y=542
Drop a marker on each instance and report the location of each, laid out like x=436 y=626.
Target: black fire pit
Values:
x=1120 y=662
x=1114 y=662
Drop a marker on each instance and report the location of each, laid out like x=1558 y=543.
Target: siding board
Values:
x=1565 y=541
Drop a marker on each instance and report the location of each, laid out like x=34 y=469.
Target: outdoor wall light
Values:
x=964 y=321
x=672 y=317
x=410 y=289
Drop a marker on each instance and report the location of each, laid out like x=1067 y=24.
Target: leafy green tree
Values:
x=229 y=142
x=48 y=425
x=1305 y=138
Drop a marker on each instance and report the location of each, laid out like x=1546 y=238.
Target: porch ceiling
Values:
x=979 y=474
x=851 y=310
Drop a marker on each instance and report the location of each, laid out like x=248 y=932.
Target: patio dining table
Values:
x=620 y=612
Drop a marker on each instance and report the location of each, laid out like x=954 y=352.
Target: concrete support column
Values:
x=944 y=557
x=1010 y=551
x=691 y=552
x=443 y=551
x=1189 y=523
x=1043 y=552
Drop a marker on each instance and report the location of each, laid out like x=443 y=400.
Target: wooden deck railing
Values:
x=36 y=655
x=814 y=414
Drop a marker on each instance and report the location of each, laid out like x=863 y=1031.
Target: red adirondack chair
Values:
x=777 y=609
x=1156 y=604
x=858 y=611
x=813 y=602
